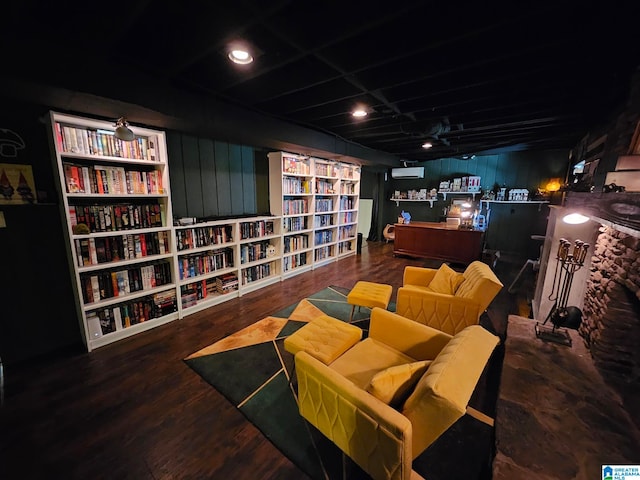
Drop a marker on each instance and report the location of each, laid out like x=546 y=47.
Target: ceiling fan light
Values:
x=123 y=132
x=427 y=145
x=359 y=113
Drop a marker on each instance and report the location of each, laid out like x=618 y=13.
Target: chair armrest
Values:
x=443 y=312
x=407 y=336
x=418 y=276
x=377 y=437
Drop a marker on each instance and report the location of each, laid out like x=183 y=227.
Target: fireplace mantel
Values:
x=617 y=210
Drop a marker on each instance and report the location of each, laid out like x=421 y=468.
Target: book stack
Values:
x=226 y=283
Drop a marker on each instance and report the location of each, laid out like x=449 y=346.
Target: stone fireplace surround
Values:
x=611 y=312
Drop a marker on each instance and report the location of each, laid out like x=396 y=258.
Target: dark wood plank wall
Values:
x=211 y=178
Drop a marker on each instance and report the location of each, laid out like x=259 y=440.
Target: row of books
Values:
x=294 y=224
x=296 y=165
x=295 y=186
x=111 y=319
x=295 y=242
x=294 y=261
x=252 y=252
x=257 y=229
x=88 y=141
x=295 y=206
x=117 y=217
x=347 y=203
x=347 y=189
x=326 y=170
x=221 y=285
x=108 y=284
x=323 y=253
x=94 y=251
x=102 y=179
x=324 y=205
x=258 y=272
x=199 y=264
x=324 y=236
x=348 y=217
x=345 y=232
x=203 y=236
x=344 y=247
x=324 y=187
x=347 y=173
x=322 y=221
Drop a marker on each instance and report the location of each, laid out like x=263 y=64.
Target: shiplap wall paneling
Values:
x=176 y=175
x=192 y=176
x=248 y=181
x=235 y=179
x=209 y=182
x=223 y=180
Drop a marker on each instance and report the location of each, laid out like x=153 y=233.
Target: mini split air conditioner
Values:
x=407 y=172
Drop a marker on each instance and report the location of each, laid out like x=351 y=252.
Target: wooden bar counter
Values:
x=438 y=241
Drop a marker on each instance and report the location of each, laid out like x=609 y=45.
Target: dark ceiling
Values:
x=476 y=77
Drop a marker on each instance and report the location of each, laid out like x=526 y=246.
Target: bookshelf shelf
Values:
x=120 y=263
x=127 y=298
x=123 y=270
x=207 y=264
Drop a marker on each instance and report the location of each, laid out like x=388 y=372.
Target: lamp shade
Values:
x=123 y=132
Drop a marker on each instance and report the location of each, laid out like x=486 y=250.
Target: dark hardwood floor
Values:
x=135 y=410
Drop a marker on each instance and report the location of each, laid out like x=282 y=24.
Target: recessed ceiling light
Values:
x=359 y=113
x=242 y=57
x=427 y=145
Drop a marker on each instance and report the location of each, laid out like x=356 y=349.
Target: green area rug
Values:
x=251 y=369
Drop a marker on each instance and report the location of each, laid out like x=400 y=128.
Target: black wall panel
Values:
x=208 y=177
x=192 y=176
x=211 y=179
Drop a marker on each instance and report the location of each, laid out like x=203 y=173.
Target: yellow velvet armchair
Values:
x=473 y=291
x=390 y=396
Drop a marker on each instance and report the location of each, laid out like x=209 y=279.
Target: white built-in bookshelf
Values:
x=318 y=202
x=223 y=259
x=115 y=200
x=132 y=269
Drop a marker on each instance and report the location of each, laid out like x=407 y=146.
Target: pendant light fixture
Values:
x=123 y=132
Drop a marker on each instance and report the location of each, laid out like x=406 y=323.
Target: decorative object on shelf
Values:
x=569 y=261
x=123 y=132
x=518 y=195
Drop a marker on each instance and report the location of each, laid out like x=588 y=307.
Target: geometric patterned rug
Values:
x=251 y=369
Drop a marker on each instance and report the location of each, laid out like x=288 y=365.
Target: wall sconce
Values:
x=575 y=218
x=123 y=132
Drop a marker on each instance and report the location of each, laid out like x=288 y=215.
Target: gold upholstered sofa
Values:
x=445 y=299
x=388 y=397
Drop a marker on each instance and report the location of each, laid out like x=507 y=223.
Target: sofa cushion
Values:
x=366 y=358
x=392 y=385
x=446 y=280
